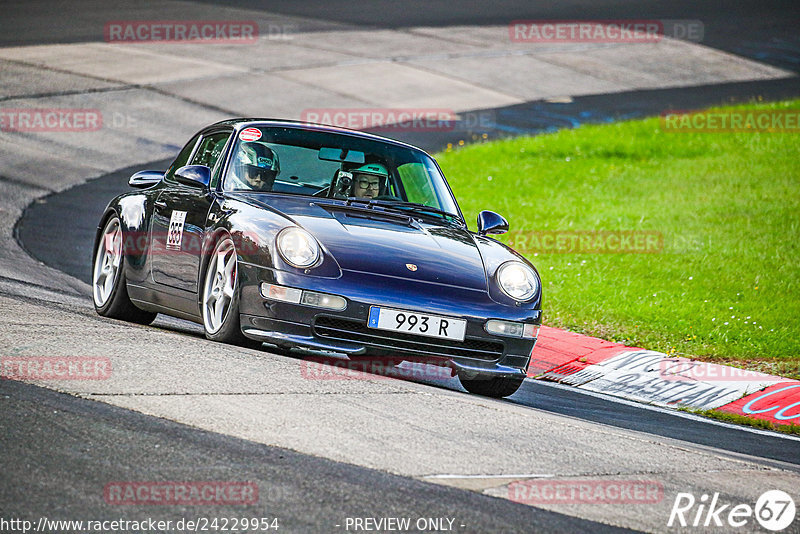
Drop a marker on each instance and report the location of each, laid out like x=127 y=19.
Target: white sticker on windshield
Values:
x=175 y=232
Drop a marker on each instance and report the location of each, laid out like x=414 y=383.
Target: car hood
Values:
x=368 y=242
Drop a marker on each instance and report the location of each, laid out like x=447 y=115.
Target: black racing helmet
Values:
x=257 y=162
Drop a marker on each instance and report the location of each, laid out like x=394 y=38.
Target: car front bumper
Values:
x=346 y=331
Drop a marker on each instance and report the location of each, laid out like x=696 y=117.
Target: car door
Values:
x=179 y=220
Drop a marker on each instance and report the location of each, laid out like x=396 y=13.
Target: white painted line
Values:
x=534 y=475
x=685 y=415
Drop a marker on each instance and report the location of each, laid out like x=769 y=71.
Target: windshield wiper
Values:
x=365 y=211
x=412 y=206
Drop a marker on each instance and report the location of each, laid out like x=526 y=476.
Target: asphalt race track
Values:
x=307 y=493
x=47 y=243
x=322 y=452
x=763 y=30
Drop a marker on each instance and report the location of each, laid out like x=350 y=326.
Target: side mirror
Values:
x=194 y=175
x=491 y=223
x=145 y=179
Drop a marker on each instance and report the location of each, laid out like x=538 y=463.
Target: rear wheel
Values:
x=220 y=297
x=496 y=386
x=109 y=290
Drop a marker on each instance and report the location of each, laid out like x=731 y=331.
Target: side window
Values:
x=210 y=149
x=182 y=159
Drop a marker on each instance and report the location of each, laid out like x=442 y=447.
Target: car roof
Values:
x=242 y=122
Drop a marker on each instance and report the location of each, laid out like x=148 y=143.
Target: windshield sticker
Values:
x=250 y=134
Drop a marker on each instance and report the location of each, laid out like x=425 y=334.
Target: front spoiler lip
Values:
x=356 y=349
x=310 y=342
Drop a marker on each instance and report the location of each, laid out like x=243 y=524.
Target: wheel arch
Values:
x=107 y=214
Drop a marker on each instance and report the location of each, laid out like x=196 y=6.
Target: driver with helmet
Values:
x=255 y=167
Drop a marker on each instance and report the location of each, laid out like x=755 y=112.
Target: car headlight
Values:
x=298 y=247
x=517 y=280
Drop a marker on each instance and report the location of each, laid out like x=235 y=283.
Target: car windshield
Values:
x=337 y=166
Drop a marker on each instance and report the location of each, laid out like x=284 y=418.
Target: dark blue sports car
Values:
x=302 y=235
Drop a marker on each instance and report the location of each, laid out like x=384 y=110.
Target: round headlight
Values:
x=298 y=247
x=517 y=280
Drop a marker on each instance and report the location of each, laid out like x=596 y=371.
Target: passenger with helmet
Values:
x=367 y=181
x=255 y=167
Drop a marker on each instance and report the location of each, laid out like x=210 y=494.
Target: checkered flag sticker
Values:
x=175 y=232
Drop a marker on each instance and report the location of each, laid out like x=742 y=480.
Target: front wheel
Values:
x=109 y=290
x=496 y=386
x=220 y=297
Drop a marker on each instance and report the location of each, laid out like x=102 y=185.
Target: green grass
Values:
x=724 y=287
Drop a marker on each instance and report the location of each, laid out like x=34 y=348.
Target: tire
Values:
x=109 y=289
x=219 y=302
x=494 y=386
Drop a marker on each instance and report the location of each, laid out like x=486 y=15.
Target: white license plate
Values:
x=416 y=323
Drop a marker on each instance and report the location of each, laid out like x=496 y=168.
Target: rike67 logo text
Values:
x=774 y=510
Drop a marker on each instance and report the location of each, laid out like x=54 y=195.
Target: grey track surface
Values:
x=542 y=116
x=99 y=444
x=766 y=31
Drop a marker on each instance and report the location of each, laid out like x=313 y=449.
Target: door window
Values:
x=210 y=149
x=182 y=159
